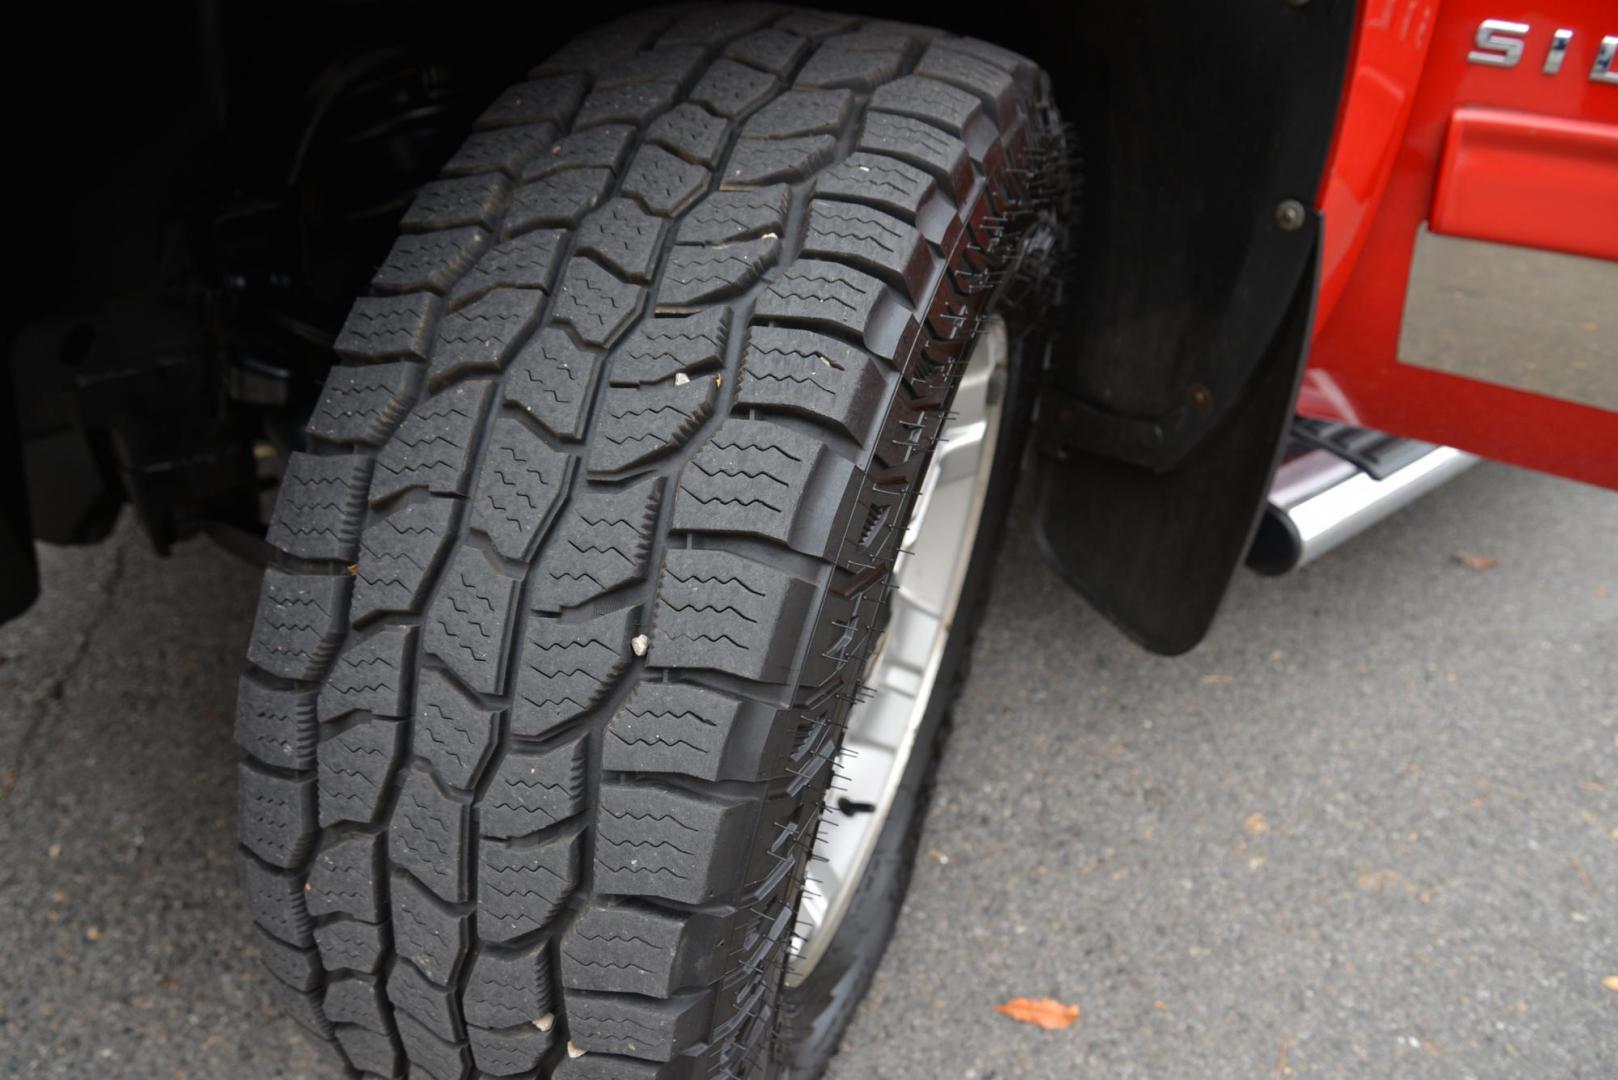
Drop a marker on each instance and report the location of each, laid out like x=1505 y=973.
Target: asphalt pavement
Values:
x=1368 y=829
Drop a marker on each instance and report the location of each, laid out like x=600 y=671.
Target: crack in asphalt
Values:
x=57 y=690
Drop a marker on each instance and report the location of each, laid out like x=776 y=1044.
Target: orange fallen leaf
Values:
x=1610 y=982
x=1476 y=562
x=1047 y=1013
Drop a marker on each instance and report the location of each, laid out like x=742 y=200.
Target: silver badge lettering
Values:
x=1499 y=43
x=1603 y=69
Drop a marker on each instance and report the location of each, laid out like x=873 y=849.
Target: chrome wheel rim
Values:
x=900 y=679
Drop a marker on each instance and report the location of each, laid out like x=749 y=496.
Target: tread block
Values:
x=612 y=1067
x=477 y=338
x=522 y=885
x=663 y=183
x=439 y=1059
x=429 y=836
x=595 y=302
x=511 y=1052
x=1017 y=64
x=355 y=766
x=993 y=84
x=801 y=112
x=387 y=327
x=542 y=100
x=725 y=612
x=507 y=989
x=276 y=814
x=346 y=877
x=465 y=200
x=707 y=24
x=372 y=674
x=905 y=191
x=634 y=950
x=298 y=968
x=772 y=49
x=731 y=89
x=426 y=933
x=526 y=263
x=299 y=623
x=453 y=733
x=669 y=845
x=761 y=479
x=695 y=276
x=814 y=24
x=693 y=731
x=568 y=667
x=302 y=1007
x=638 y=1027
x=922 y=145
x=468 y=623
x=829 y=295
x=363 y=404
x=533 y=790
x=398 y=552
x=351 y=945
x=602 y=542
x=955 y=110
x=504 y=150
x=860 y=61
x=276 y=726
x=659 y=349
x=623 y=236
x=601 y=147
x=641 y=423
x=275 y=902
x=373 y=1053
x=434 y=444
x=631 y=103
x=874 y=241
x=433 y=1005
x=357 y=999
x=556 y=201
x=813 y=375
x=891 y=185
x=320 y=506
x=431 y=261
x=691 y=132
x=728 y=216
x=754 y=162
x=518 y=486
x=673 y=64
x=551 y=380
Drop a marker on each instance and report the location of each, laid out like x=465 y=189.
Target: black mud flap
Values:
x=1155 y=551
x=1205 y=131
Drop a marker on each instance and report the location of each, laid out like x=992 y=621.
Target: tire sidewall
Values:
x=816 y=1012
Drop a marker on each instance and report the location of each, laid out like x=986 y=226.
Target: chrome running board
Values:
x=1339 y=481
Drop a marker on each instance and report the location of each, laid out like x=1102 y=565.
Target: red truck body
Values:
x=1496 y=124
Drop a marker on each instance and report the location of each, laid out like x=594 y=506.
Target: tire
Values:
x=576 y=580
